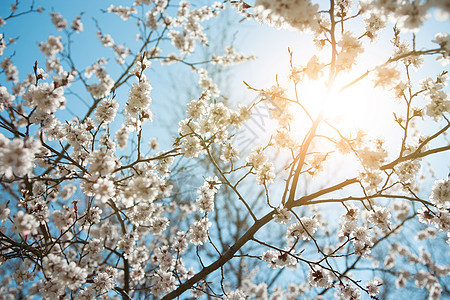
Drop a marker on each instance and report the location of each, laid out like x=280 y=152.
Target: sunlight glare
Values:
x=358 y=107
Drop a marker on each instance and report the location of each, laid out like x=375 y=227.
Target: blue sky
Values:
x=174 y=86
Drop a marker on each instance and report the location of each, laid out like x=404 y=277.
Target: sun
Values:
x=359 y=107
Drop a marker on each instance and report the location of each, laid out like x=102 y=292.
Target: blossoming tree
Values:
x=91 y=210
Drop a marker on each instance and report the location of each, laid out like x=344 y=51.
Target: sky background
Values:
x=174 y=86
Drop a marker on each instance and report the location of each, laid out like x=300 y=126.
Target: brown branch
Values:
x=414 y=155
x=376 y=243
x=333 y=188
x=223 y=259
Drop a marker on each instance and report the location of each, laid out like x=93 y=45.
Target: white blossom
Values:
x=381 y=217
x=17 y=156
x=106 y=111
x=77 y=25
x=6 y=99
x=443 y=40
x=198 y=232
x=123 y=12
x=52 y=47
x=10 y=70
x=265 y=173
x=57 y=20
x=297 y=14
x=235 y=295
x=304 y=229
x=319 y=278
x=137 y=109
x=25 y=224
x=440 y=194
x=277 y=259
x=282 y=215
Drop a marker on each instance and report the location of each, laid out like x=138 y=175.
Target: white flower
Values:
x=52 y=47
x=229 y=152
x=123 y=12
x=184 y=43
x=362 y=248
x=257 y=157
x=304 y=229
x=191 y=146
x=231 y=58
x=58 y=20
x=206 y=83
x=411 y=15
x=179 y=242
x=106 y=111
x=198 y=233
x=373 y=157
x=153 y=144
x=101 y=162
x=25 y=224
x=68 y=274
x=442 y=223
x=144 y=188
x=4 y=212
x=235 y=295
x=163 y=258
x=282 y=215
x=374 y=23
x=352 y=214
x=443 y=40
x=6 y=99
x=162 y=282
x=301 y=15
x=103 y=88
x=435 y=292
x=425 y=216
x=265 y=173
x=346 y=291
x=121 y=137
x=346 y=229
x=319 y=278
x=77 y=25
x=406 y=171
x=10 y=70
x=386 y=76
x=277 y=259
x=402 y=208
x=361 y=234
x=427 y=233
x=137 y=109
x=371 y=180
x=196 y=108
x=104 y=281
x=314 y=68
x=17 y=156
x=47 y=98
x=64 y=218
x=381 y=217
x=351 y=47
x=282 y=139
x=440 y=194
x=103 y=189
x=205 y=200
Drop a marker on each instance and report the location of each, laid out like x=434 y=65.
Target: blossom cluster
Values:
x=205 y=200
x=209 y=123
